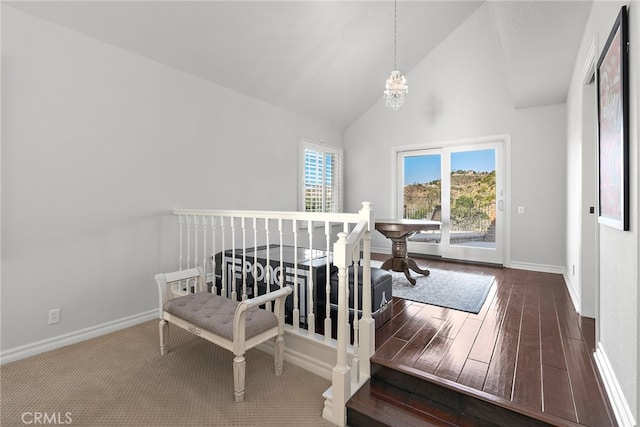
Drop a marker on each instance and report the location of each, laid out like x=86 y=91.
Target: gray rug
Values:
x=444 y=288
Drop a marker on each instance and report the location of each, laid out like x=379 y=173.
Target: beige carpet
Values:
x=121 y=379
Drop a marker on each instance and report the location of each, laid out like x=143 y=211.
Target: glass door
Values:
x=461 y=187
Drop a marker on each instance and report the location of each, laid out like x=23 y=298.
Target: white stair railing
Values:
x=347 y=378
x=244 y=253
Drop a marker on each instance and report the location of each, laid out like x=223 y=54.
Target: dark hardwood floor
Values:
x=527 y=351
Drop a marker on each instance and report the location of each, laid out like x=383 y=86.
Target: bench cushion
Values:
x=215 y=314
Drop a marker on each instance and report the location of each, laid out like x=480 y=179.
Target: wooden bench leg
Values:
x=239 y=365
x=278 y=352
x=164 y=336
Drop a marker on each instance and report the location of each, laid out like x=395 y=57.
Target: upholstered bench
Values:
x=381 y=295
x=234 y=325
x=215 y=314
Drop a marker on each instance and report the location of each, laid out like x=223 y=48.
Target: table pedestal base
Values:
x=400 y=262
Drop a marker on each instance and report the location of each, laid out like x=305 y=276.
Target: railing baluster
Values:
x=296 y=302
x=189 y=241
x=283 y=276
x=212 y=257
x=223 y=265
x=195 y=240
x=327 y=288
x=310 y=316
x=234 y=293
x=267 y=268
x=205 y=263
x=180 y=238
x=255 y=257
x=244 y=259
x=355 y=362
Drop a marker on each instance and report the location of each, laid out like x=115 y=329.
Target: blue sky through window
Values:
x=419 y=169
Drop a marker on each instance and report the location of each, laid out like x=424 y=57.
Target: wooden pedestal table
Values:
x=398 y=231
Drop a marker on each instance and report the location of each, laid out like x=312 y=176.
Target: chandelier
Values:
x=396 y=85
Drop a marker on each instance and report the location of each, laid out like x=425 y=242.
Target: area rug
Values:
x=444 y=288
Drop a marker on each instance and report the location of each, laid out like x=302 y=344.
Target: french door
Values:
x=463 y=187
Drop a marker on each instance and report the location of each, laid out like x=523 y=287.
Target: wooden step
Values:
x=406 y=397
x=378 y=404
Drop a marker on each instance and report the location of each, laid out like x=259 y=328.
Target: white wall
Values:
x=619 y=299
x=458 y=92
x=98 y=145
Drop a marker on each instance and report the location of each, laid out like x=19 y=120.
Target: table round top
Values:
x=402 y=227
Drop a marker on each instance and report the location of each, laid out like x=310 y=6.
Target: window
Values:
x=321 y=177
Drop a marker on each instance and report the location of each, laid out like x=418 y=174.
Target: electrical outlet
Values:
x=54 y=316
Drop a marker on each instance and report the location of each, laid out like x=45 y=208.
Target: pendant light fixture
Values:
x=396 y=85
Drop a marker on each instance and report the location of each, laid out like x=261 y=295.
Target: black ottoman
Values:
x=380 y=295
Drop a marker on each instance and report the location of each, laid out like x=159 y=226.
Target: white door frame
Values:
x=504 y=139
x=589 y=254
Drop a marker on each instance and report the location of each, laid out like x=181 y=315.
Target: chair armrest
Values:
x=240 y=315
x=163 y=292
x=165 y=282
x=265 y=298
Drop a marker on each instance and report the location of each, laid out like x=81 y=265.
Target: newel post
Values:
x=341 y=378
x=366 y=322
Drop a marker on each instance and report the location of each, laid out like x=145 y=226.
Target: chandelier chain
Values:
x=395 y=34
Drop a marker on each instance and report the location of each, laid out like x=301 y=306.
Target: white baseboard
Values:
x=621 y=409
x=542 y=268
x=308 y=352
x=555 y=269
x=304 y=361
x=21 y=352
x=297 y=350
x=575 y=298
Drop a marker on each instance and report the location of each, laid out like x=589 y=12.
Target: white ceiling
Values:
x=327 y=59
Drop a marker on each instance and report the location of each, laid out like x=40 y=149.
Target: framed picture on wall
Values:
x=612 y=76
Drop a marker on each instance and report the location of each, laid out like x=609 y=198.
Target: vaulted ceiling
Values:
x=327 y=59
